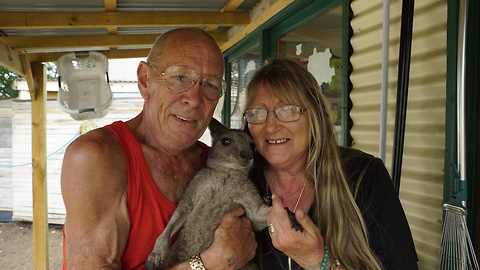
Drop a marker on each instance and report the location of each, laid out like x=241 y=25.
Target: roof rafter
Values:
x=61 y=42
x=37 y=20
x=111 y=6
x=231 y=5
x=10 y=59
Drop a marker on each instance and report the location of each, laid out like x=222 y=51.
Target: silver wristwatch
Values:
x=196 y=262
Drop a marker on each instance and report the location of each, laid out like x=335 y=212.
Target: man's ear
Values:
x=142 y=78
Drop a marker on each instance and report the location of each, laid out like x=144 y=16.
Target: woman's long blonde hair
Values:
x=336 y=213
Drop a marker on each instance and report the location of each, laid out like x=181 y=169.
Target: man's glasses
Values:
x=178 y=79
x=288 y=113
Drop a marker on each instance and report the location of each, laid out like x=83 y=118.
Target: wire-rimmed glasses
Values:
x=178 y=79
x=287 y=113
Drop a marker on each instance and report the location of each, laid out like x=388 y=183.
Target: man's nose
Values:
x=193 y=95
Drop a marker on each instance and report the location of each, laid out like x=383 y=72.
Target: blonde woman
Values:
x=343 y=198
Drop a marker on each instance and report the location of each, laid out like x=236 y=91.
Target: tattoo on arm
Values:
x=231 y=261
x=79 y=247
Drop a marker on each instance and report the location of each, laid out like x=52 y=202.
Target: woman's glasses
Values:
x=288 y=113
x=178 y=79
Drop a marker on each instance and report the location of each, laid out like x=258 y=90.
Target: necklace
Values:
x=294 y=209
x=300 y=196
x=286 y=196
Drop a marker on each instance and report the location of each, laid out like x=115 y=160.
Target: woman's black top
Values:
x=388 y=230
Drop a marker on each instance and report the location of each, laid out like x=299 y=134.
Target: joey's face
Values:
x=235 y=149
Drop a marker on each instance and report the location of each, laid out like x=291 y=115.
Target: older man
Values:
x=121 y=183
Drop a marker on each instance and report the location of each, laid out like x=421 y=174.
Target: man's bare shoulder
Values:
x=99 y=142
x=94 y=155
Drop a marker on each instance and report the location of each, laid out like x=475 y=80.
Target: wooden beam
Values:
x=257 y=22
x=36 y=20
x=230 y=6
x=110 y=5
x=10 y=59
x=63 y=42
x=28 y=75
x=111 y=54
x=39 y=168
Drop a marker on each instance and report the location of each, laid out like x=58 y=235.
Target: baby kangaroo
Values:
x=215 y=190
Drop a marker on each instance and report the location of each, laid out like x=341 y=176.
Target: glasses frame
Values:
x=203 y=81
x=301 y=110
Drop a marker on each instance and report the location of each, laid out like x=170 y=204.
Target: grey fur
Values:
x=215 y=190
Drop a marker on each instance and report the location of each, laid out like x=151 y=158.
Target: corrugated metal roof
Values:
x=52 y=5
x=115 y=18
x=122 y=5
x=180 y=5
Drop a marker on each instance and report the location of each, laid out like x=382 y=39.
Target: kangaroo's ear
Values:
x=216 y=128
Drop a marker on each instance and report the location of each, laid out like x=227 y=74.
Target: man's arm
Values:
x=94 y=190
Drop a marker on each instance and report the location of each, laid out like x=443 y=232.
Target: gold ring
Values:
x=271 y=229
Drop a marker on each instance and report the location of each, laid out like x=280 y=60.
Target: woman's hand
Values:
x=306 y=247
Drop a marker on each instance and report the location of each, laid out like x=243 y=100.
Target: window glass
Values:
x=317 y=45
x=242 y=69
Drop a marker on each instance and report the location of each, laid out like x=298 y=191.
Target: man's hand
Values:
x=234 y=243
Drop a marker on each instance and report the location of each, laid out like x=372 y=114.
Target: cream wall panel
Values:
x=422 y=171
x=5 y=156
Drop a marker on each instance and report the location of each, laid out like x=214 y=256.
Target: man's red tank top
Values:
x=149 y=210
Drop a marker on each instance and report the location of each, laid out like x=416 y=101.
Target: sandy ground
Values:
x=16 y=246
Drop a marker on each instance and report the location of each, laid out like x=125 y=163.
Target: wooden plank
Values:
x=39 y=168
x=265 y=16
x=62 y=42
x=110 y=5
x=36 y=20
x=5 y=112
x=27 y=70
x=230 y=6
x=10 y=59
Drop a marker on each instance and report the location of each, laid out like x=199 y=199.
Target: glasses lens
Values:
x=213 y=87
x=179 y=79
x=288 y=113
x=256 y=116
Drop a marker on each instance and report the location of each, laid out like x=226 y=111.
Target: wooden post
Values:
x=39 y=168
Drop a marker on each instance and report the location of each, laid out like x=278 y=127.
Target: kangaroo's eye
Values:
x=226 y=141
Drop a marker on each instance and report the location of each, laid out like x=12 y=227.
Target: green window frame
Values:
x=292 y=17
x=472 y=108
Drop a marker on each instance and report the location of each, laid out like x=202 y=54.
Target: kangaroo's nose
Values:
x=245 y=155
